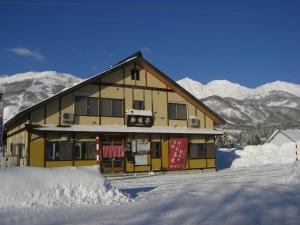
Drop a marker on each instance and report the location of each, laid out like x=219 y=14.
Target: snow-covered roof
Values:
x=293 y=135
x=125 y=129
x=139 y=112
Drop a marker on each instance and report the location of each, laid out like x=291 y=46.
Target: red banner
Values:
x=113 y=151
x=178 y=153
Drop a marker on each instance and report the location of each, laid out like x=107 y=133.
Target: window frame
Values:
x=159 y=149
x=139 y=101
x=87 y=152
x=176 y=111
x=135 y=74
x=55 y=158
x=112 y=109
x=88 y=99
x=215 y=152
x=198 y=154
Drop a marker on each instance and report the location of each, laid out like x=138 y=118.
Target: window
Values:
x=211 y=150
x=112 y=107
x=197 y=151
x=155 y=150
x=135 y=74
x=177 y=111
x=59 y=151
x=85 y=150
x=86 y=106
x=137 y=104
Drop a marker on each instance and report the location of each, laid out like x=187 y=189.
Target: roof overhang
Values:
x=125 y=130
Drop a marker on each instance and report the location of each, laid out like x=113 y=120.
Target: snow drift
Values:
x=257 y=155
x=48 y=187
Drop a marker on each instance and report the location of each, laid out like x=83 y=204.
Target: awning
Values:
x=125 y=129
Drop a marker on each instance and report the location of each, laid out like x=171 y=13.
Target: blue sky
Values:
x=248 y=42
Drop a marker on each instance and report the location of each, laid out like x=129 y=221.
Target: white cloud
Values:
x=28 y=53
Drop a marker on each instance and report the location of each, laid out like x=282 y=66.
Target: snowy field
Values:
x=265 y=194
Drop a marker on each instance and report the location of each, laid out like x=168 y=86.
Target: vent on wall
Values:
x=67 y=117
x=194 y=122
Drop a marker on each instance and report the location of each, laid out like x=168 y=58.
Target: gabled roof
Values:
x=136 y=57
x=293 y=135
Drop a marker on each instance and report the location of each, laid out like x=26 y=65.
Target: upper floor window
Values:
x=137 y=104
x=86 y=106
x=177 y=111
x=112 y=107
x=135 y=74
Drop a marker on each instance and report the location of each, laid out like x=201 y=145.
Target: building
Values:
x=145 y=121
x=280 y=137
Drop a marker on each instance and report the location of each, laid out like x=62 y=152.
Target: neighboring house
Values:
x=280 y=137
x=145 y=122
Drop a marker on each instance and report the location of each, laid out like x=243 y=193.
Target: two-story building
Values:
x=145 y=121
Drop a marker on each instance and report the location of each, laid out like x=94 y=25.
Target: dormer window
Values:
x=135 y=74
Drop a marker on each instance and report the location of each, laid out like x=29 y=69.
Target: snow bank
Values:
x=68 y=186
x=258 y=155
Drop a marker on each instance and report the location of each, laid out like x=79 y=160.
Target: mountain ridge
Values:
x=225 y=88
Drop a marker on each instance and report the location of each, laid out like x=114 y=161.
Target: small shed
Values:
x=280 y=137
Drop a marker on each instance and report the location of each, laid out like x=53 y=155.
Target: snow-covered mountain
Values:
x=26 y=89
x=224 y=88
x=276 y=103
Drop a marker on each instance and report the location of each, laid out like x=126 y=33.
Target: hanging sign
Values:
x=139 y=121
x=178 y=153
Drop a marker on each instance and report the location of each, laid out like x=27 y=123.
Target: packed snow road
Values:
x=262 y=195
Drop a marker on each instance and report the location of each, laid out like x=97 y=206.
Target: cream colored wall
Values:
x=52 y=116
x=148 y=100
x=67 y=104
x=138 y=94
x=200 y=115
x=89 y=90
x=37 y=115
x=209 y=123
x=160 y=108
x=112 y=92
x=152 y=81
x=115 y=77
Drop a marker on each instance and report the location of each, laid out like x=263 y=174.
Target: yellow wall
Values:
x=115 y=77
x=58 y=163
x=52 y=112
x=37 y=116
x=37 y=151
x=165 y=154
x=159 y=108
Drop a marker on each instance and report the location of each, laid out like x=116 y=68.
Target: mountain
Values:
x=260 y=110
x=224 y=88
x=26 y=89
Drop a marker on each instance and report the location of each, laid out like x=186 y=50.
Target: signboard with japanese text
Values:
x=178 y=153
x=139 y=121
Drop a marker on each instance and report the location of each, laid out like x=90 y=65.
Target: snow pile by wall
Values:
x=68 y=186
x=255 y=155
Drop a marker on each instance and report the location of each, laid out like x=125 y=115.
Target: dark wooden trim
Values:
x=188 y=152
x=134 y=67
x=44 y=149
x=16 y=132
x=132 y=86
x=124 y=95
x=28 y=147
x=146 y=77
x=204 y=120
x=45 y=114
x=168 y=122
x=59 y=111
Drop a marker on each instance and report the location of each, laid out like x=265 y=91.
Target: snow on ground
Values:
x=267 y=192
x=69 y=186
x=257 y=155
x=257 y=195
